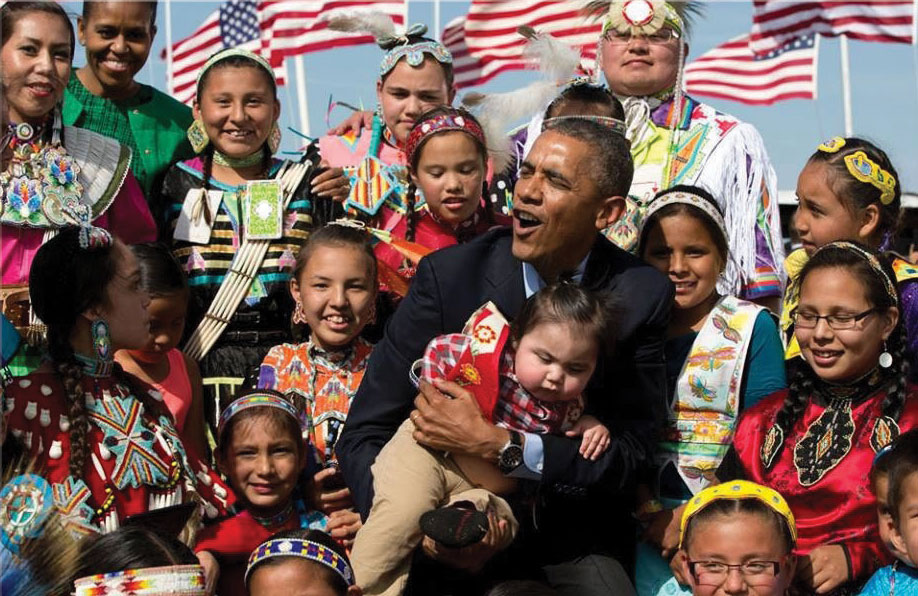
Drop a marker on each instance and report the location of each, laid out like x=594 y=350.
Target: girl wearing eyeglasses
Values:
x=737 y=538
x=815 y=441
x=849 y=190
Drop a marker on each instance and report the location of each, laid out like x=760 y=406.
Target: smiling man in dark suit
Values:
x=571 y=186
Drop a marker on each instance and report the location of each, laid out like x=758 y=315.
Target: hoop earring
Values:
x=197 y=136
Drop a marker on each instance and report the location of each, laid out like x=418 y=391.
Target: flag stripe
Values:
x=731 y=71
x=775 y=22
x=485 y=42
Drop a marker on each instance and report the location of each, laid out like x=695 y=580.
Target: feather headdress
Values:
x=686 y=10
x=558 y=64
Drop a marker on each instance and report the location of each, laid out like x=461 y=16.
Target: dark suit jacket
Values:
x=628 y=393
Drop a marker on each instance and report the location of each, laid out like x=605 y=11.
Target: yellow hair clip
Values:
x=732 y=491
x=866 y=170
x=833 y=145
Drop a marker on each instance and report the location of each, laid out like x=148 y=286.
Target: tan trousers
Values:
x=410 y=480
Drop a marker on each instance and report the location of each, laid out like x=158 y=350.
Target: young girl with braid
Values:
x=848 y=399
x=105 y=442
x=207 y=219
x=849 y=190
x=447 y=167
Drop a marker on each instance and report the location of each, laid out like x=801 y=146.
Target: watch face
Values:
x=511 y=458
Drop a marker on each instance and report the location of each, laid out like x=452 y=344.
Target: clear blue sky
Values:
x=884 y=81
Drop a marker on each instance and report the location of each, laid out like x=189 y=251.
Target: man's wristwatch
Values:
x=511 y=455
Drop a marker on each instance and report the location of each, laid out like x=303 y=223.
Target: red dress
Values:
x=839 y=507
x=135 y=459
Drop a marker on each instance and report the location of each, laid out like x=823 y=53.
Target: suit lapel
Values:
x=505 y=274
x=600 y=267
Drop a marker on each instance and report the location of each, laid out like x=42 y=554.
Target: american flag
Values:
x=485 y=42
x=731 y=71
x=775 y=22
x=275 y=29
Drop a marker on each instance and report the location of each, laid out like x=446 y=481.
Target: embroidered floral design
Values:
x=469 y=375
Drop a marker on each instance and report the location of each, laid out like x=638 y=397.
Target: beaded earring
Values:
x=299 y=315
x=274 y=139
x=197 y=136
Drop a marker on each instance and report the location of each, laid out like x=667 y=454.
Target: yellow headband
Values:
x=733 y=491
x=864 y=169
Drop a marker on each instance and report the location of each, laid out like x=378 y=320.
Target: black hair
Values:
x=802 y=383
x=160 y=272
x=131 y=547
x=610 y=154
x=587 y=93
x=11 y=12
x=411 y=194
x=232 y=61
x=728 y=507
x=857 y=195
x=413 y=39
x=330 y=576
x=521 y=588
x=272 y=416
x=594 y=314
x=880 y=466
x=720 y=241
x=902 y=462
x=64 y=282
x=89 y=7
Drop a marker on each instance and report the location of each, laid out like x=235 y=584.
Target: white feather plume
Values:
x=556 y=60
x=376 y=23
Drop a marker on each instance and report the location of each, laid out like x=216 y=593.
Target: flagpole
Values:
x=436 y=19
x=846 y=86
x=167 y=5
x=302 y=100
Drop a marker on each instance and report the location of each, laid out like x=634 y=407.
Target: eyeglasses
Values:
x=808 y=320
x=715 y=573
x=662 y=36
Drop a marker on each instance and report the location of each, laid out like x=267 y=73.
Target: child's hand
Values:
x=343 y=526
x=596 y=437
x=211 y=570
x=326 y=497
x=824 y=568
x=354 y=123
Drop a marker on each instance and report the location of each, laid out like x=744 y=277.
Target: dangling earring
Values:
x=197 y=136
x=274 y=139
x=299 y=316
x=886 y=359
x=102 y=345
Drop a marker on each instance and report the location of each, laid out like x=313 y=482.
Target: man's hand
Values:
x=327 y=498
x=343 y=526
x=824 y=568
x=354 y=123
x=331 y=184
x=447 y=418
x=472 y=558
x=663 y=530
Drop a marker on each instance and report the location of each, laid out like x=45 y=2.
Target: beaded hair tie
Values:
x=177 y=580
x=686 y=198
x=872 y=260
x=443 y=122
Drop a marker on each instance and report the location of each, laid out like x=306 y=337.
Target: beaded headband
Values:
x=442 y=123
x=872 y=260
x=686 y=198
x=231 y=52
x=732 y=491
x=641 y=17
x=304 y=549
x=178 y=580
x=412 y=52
x=864 y=169
x=614 y=124
x=256 y=400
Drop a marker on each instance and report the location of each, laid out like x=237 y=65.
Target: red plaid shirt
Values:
x=516 y=408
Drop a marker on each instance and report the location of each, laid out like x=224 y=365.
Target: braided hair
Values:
x=415 y=158
x=803 y=381
x=86 y=275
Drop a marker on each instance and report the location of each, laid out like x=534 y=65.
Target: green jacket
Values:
x=158 y=127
